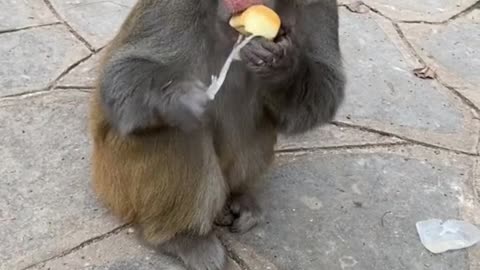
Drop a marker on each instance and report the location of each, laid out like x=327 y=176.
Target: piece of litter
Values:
x=425 y=73
x=217 y=81
x=438 y=236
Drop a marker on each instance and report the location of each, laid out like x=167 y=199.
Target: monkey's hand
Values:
x=186 y=105
x=271 y=60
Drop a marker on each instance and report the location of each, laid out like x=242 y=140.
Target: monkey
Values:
x=175 y=163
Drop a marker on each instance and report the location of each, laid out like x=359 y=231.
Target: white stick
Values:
x=217 y=82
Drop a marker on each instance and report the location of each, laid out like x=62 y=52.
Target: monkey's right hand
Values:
x=186 y=105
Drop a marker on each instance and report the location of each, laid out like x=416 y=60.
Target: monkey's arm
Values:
x=139 y=94
x=312 y=92
x=148 y=80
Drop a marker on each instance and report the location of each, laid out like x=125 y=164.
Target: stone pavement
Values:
x=403 y=148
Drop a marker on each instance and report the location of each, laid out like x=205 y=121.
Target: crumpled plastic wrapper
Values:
x=438 y=236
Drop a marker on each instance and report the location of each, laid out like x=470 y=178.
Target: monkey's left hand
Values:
x=271 y=60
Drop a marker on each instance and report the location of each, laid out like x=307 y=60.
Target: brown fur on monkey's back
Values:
x=152 y=180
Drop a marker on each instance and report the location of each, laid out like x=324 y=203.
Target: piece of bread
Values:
x=257 y=20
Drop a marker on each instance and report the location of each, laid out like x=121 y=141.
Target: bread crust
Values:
x=257 y=20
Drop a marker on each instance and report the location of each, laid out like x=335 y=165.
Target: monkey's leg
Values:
x=172 y=186
x=194 y=242
x=247 y=167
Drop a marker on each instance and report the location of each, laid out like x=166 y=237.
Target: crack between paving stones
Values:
x=438 y=78
x=409 y=140
x=404 y=39
x=80 y=246
x=28 y=28
x=454 y=17
x=341 y=147
x=74 y=87
x=26 y=94
x=52 y=85
x=412 y=49
x=372 y=9
x=69 y=27
x=457 y=93
x=232 y=254
x=464 y=12
x=69 y=69
x=34 y=93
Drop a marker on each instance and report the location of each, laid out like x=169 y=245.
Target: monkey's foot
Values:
x=225 y=218
x=241 y=213
x=246 y=212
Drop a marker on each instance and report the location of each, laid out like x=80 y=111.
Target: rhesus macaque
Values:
x=174 y=162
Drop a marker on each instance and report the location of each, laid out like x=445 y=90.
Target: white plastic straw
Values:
x=217 y=81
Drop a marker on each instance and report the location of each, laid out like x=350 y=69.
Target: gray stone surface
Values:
x=452 y=50
x=341 y=210
x=414 y=10
x=96 y=21
x=31 y=59
x=117 y=252
x=15 y=14
x=45 y=197
x=397 y=101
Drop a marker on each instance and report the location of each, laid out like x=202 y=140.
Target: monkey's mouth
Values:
x=237 y=6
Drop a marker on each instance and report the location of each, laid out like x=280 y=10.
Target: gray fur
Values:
x=156 y=77
x=198 y=252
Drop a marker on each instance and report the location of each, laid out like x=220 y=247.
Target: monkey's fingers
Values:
x=272 y=47
x=251 y=57
x=258 y=51
x=244 y=223
x=225 y=217
x=284 y=44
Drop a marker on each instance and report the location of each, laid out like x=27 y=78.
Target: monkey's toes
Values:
x=224 y=219
x=246 y=212
x=245 y=222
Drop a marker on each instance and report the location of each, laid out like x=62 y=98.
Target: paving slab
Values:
x=333 y=136
x=414 y=10
x=96 y=21
x=384 y=94
x=358 y=209
x=84 y=75
x=452 y=51
x=117 y=252
x=32 y=59
x=15 y=14
x=46 y=202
